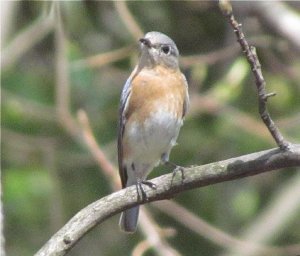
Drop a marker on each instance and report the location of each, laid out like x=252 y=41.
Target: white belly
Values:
x=148 y=142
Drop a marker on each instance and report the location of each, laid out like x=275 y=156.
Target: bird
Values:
x=154 y=102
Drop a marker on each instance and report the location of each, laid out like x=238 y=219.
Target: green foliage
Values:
x=24 y=190
x=245 y=204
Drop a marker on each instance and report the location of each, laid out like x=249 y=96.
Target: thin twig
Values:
x=253 y=60
x=225 y=53
x=62 y=79
x=167 y=186
x=272 y=221
x=141 y=248
x=210 y=104
x=128 y=19
x=29 y=108
x=209 y=58
x=288 y=25
x=154 y=236
x=102 y=59
x=217 y=236
x=292 y=121
x=27 y=39
x=98 y=154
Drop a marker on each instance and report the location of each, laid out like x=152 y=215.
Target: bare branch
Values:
x=128 y=20
x=30 y=109
x=272 y=221
x=288 y=25
x=27 y=39
x=7 y=12
x=102 y=59
x=217 y=236
x=253 y=60
x=210 y=104
x=225 y=53
x=99 y=156
x=147 y=225
x=141 y=248
x=209 y=58
x=62 y=78
x=154 y=235
x=168 y=187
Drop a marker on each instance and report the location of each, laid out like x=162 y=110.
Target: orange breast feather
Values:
x=151 y=89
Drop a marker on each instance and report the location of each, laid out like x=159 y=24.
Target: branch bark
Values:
x=168 y=187
x=252 y=58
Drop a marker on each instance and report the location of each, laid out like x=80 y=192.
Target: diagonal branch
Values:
x=129 y=21
x=155 y=239
x=168 y=187
x=102 y=59
x=219 y=237
x=271 y=222
x=288 y=25
x=26 y=39
x=252 y=58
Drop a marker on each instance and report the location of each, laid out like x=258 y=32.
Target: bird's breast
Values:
x=154 y=113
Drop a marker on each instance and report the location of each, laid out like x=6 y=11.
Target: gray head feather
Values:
x=158 y=49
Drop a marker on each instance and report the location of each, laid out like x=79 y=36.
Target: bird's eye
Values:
x=166 y=49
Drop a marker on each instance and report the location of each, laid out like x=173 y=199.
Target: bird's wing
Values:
x=122 y=121
x=186 y=102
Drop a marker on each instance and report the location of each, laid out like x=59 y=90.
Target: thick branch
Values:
x=283 y=19
x=195 y=177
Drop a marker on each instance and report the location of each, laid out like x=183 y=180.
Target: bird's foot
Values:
x=142 y=196
x=176 y=168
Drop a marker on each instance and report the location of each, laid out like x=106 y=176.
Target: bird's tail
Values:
x=128 y=219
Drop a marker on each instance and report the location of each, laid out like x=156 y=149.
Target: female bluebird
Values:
x=153 y=104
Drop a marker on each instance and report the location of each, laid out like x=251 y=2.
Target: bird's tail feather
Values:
x=128 y=219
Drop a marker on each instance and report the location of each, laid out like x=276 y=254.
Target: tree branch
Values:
x=252 y=58
x=155 y=239
x=84 y=134
x=271 y=222
x=195 y=177
x=129 y=21
x=102 y=59
x=26 y=39
x=288 y=25
x=217 y=236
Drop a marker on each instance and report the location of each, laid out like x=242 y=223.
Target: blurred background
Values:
x=62 y=71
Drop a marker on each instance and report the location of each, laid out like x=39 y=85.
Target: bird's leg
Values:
x=149 y=184
x=176 y=168
x=140 y=184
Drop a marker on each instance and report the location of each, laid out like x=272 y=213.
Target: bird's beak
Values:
x=146 y=42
